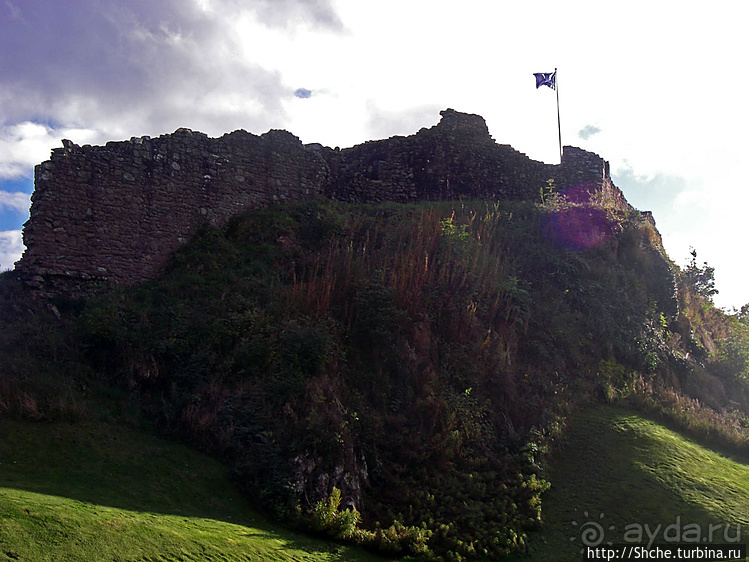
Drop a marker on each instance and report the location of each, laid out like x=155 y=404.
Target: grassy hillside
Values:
x=100 y=492
x=622 y=471
x=392 y=375
x=93 y=492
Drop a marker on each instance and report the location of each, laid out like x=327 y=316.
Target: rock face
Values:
x=113 y=214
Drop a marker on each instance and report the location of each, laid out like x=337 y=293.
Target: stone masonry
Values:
x=113 y=214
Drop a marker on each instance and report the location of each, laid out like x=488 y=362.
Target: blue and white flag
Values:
x=546 y=79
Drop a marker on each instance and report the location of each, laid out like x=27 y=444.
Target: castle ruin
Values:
x=112 y=215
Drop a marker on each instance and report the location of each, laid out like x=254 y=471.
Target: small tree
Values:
x=700 y=279
x=743 y=315
x=547 y=192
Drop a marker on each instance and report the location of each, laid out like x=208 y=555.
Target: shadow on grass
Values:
x=122 y=468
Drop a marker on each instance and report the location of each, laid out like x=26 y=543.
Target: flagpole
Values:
x=559 y=121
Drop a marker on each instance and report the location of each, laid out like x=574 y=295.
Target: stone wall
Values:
x=113 y=214
x=458 y=159
x=116 y=212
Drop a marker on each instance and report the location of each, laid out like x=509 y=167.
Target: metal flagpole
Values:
x=559 y=121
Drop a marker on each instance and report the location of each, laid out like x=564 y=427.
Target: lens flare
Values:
x=577 y=227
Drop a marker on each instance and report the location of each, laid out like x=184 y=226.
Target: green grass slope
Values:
x=99 y=492
x=620 y=471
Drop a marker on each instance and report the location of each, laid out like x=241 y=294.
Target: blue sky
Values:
x=14 y=210
x=655 y=88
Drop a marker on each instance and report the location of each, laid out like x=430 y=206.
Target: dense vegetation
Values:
x=393 y=375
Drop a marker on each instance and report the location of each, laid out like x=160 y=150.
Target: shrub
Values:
x=327 y=519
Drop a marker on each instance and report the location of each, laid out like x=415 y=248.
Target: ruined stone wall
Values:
x=458 y=159
x=115 y=213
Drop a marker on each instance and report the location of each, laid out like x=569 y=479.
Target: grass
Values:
x=623 y=471
x=88 y=491
x=99 y=492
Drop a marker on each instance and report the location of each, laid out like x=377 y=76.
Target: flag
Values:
x=546 y=79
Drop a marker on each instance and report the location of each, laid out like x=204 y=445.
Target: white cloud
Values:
x=26 y=144
x=383 y=123
x=148 y=68
x=15 y=201
x=11 y=248
x=21 y=146
x=588 y=131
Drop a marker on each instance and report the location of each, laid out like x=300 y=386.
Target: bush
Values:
x=327 y=519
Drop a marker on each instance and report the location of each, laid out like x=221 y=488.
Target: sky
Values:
x=655 y=87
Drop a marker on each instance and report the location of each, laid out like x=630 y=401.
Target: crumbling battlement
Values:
x=115 y=213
